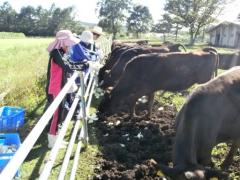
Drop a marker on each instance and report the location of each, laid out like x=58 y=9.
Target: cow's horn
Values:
x=181 y=45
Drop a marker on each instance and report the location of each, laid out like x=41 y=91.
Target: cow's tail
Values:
x=213 y=51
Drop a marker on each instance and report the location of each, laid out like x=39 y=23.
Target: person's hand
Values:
x=94 y=66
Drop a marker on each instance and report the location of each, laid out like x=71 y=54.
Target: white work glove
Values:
x=94 y=66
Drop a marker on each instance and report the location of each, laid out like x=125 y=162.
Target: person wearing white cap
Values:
x=83 y=50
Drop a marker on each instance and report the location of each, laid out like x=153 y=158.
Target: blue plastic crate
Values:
x=11 y=118
x=8 y=139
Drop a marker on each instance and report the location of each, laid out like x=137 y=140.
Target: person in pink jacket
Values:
x=57 y=77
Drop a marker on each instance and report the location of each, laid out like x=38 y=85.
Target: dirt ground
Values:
x=132 y=147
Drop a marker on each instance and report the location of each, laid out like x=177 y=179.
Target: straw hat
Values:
x=87 y=36
x=97 y=30
x=63 y=38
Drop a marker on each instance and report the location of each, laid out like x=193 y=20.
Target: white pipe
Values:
x=69 y=150
x=83 y=102
x=53 y=154
x=10 y=170
x=74 y=134
x=76 y=157
x=90 y=97
x=89 y=85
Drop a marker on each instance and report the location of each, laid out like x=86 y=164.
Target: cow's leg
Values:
x=205 y=157
x=132 y=104
x=150 y=105
x=229 y=159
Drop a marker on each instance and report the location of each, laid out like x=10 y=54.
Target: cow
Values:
x=208 y=117
x=125 y=57
x=229 y=60
x=115 y=72
x=145 y=74
x=111 y=61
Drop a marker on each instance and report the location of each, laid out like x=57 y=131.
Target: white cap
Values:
x=87 y=36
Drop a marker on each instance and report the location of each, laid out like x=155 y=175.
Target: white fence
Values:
x=83 y=98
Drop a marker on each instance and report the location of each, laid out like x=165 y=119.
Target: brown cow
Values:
x=113 y=75
x=145 y=74
x=209 y=116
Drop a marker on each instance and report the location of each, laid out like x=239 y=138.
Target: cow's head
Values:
x=107 y=81
x=109 y=104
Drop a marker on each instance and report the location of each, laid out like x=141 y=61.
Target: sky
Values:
x=86 y=8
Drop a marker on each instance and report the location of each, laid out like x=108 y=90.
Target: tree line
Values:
x=194 y=15
x=38 y=21
x=115 y=15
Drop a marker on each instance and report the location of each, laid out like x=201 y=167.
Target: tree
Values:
x=176 y=25
x=112 y=14
x=163 y=26
x=7 y=17
x=38 y=21
x=27 y=20
x=194 y=14
x=140 y=20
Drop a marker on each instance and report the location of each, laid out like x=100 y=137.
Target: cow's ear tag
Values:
x=160 y=173
x=189 y=175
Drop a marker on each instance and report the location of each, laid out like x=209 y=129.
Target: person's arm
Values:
x=78 y=53
x=57 y=58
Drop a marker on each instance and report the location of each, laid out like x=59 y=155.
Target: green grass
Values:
x=23 y=70
x=11 y=35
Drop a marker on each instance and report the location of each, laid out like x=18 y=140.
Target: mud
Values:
x=132 y=148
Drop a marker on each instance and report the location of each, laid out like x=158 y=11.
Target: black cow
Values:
x=115 y=54
x=209 y=116
x=226 y=61
x=111 y=77
x=145 y=74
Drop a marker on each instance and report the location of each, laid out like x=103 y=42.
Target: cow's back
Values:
x=170 y=71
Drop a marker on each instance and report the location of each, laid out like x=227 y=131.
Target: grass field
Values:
x=22 y=76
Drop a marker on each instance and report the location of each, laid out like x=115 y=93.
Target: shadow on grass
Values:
x=33 y=113
x=40 y=150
